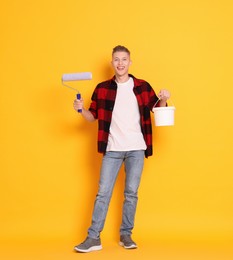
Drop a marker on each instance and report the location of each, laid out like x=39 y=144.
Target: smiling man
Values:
x=122 y=107
x=121 y=62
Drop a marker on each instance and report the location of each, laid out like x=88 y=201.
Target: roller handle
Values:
x=79 y=97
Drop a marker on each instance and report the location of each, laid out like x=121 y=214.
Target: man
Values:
x=122 y=106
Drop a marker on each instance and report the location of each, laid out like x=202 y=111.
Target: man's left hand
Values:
x=164 y=95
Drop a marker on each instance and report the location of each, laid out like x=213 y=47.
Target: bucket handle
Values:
x=159 y=100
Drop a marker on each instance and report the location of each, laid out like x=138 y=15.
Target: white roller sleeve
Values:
x=77 y=76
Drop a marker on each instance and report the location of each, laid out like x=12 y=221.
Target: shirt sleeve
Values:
x=153 y=98
x=93 y=105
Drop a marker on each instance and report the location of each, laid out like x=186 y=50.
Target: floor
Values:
x=35 y=250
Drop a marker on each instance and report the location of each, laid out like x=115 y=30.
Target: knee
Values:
x=103 y=194
x=131 y=189
x=131 y=194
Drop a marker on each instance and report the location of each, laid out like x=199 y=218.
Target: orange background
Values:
x=49 y=163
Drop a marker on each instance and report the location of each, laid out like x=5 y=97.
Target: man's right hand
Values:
x=78 y=104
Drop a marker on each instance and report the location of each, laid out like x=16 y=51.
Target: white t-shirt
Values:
x=125 y=130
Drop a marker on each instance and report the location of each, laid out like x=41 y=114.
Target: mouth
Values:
x=120 y=68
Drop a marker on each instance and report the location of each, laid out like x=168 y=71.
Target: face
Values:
x=120 y=63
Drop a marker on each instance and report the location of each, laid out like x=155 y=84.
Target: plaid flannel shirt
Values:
x=103 y=100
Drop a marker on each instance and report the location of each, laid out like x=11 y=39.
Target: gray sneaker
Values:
x=89 y=245
x=127 y=242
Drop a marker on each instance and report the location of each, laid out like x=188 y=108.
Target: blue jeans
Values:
x=112 y=161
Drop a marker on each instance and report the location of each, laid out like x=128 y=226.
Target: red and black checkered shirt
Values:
x=103 y=100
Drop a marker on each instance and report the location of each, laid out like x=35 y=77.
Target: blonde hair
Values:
x=120 y=48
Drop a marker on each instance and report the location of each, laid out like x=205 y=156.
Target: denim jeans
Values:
x=112 y=161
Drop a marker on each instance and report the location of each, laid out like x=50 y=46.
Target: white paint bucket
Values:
x=164 y=116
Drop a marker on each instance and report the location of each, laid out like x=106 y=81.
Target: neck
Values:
x=122 y=79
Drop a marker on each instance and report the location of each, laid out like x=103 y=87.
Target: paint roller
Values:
x=76 y=77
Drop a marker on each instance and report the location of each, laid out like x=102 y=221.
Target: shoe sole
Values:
x=133 y=246
x=91 y=249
